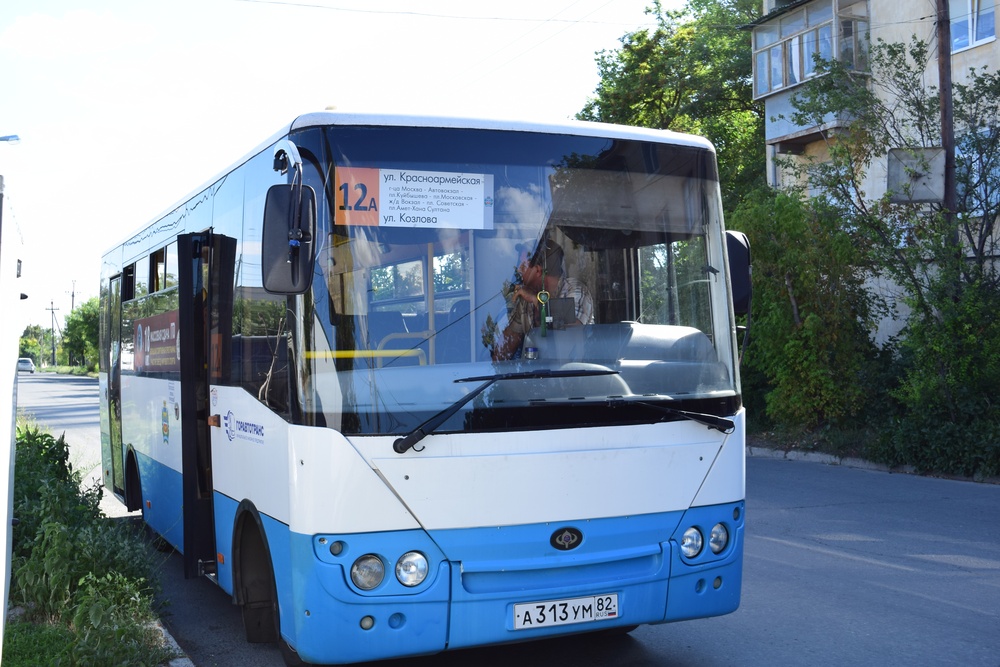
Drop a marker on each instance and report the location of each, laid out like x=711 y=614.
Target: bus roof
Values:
x=574 y=127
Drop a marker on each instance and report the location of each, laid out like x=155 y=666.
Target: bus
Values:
x=301 y=388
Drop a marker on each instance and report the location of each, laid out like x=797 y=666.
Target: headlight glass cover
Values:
x=718 y=539
x=691 y=542
x=412 y=568
x=367 y=572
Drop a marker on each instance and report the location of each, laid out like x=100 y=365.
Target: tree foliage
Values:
x=34 y=342
x=692 y=73
x=945 y=260
x=812 y=314
x=81 y=332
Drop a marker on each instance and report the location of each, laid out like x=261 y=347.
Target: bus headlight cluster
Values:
x=368 y=571
x=692 y=541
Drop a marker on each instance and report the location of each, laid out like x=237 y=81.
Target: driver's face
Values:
x=531 y=275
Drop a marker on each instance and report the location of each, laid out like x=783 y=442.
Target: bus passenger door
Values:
x=206 y=265
x=111 y=448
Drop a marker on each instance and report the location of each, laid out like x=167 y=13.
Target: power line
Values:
x=460 y=17
x=534 y=46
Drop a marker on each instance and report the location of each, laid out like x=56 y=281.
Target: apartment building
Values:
x=790 y=32
x=785 y=40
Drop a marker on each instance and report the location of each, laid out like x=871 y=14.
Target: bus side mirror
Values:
x=738 y=247
x=287 y=241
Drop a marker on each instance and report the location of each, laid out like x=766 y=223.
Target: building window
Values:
x=819 y=43
x=972 y=23
x=977 y=164
x=785 y=50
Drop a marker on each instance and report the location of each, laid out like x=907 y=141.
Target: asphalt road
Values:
x=842 y=566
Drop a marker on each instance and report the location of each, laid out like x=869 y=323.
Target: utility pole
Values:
x=52 y=332
x=947 y=116
x=72 y=298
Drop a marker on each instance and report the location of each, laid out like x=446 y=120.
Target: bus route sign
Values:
x=408 y=198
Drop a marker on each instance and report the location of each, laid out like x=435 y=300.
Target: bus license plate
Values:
x=565 y=612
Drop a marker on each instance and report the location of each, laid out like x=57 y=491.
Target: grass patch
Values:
x=27 y=644
x=85 y=582
x=68 y=370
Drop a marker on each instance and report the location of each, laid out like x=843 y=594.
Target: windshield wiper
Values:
x=727 y=426
x=406 y=442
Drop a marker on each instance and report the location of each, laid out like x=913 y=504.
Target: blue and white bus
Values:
x=302 y=391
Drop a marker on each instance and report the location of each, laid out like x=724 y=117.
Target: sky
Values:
x=125 y=108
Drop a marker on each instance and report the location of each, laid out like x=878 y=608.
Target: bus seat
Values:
x=454 y=341
x=383 y=323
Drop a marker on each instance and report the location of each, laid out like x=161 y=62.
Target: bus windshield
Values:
x=445 y=254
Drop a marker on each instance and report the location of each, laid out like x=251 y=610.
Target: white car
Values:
x=25 y=364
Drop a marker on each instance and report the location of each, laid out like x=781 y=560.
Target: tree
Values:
x=945 y=260
x=691 y=74
x=29 y=347
x=35 y=343
x=81 y=332
x=812 y=313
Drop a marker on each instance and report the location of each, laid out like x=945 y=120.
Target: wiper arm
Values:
x=407 y=442
x=727 y=426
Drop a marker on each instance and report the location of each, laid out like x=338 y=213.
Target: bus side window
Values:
x=141 y=277
x=128 y=283
x=157 y=266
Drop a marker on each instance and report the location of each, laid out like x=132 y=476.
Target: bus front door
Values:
x=206 y=262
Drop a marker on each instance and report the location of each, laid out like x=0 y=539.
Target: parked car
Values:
x=25 y=364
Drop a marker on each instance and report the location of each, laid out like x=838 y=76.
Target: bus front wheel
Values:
x=258 y=592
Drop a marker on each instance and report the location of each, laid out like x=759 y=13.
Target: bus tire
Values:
x=133 y=502
x=620 y=631
x=254 y=584
x=289 y=655
x=133 y=488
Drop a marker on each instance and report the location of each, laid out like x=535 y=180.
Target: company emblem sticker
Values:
x=229 y=422
x=566 y=539
x=243 y=430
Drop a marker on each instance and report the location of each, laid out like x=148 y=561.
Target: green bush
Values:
x=950 y=367
x=74 y=569
x=811 y=314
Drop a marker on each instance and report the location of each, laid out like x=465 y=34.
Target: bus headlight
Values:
x=718 y=539
x=691 y=542
x=367 y=572
x=411 y=569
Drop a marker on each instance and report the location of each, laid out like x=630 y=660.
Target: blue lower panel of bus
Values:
x=161 y=499
x=479 y=578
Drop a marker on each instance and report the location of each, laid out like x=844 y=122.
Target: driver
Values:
x=541 y=276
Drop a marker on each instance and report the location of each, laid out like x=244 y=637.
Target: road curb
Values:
x=168 y=639
x=853 y=462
